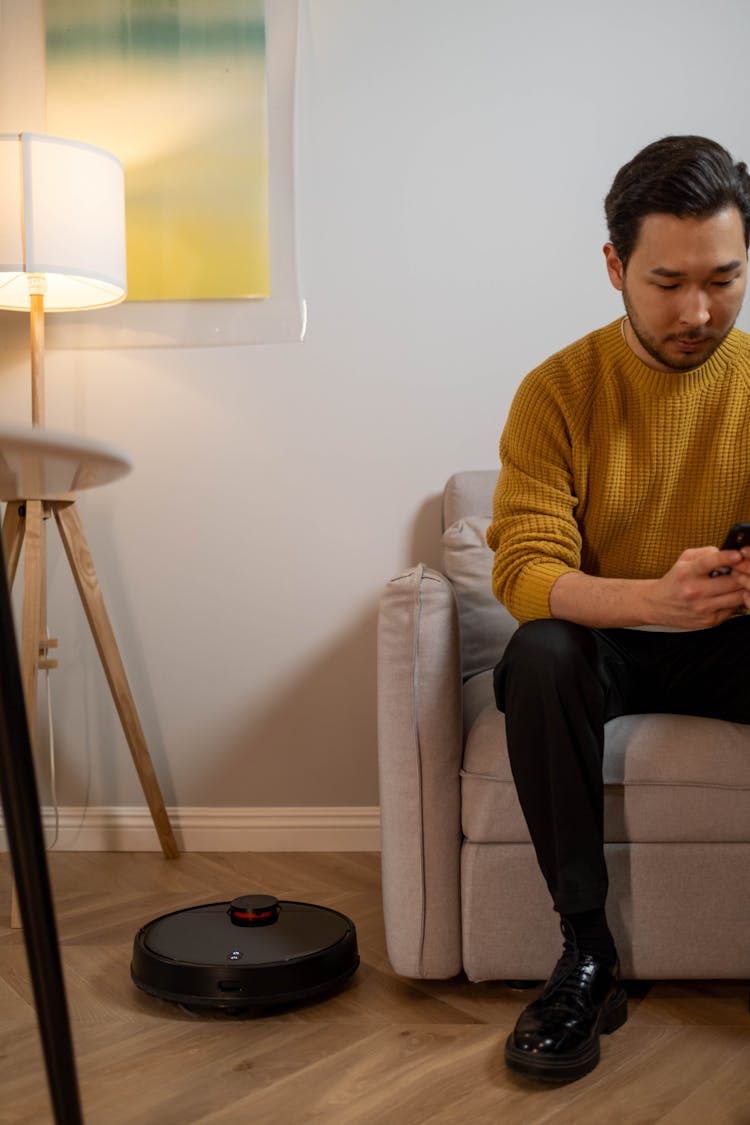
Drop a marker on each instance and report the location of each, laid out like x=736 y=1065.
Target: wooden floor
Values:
x=385 y=1050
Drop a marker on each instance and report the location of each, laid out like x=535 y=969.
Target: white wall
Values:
x=453 y=158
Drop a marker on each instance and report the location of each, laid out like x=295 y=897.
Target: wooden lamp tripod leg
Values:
x=24 y=521
x=81 y=564
x=13 y=529
x=31 y=529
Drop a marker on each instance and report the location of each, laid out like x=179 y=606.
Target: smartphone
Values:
x=737 y=536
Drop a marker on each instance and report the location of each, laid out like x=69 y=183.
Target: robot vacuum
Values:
x=254 y=951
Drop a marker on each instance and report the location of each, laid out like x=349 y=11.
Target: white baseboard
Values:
x=130 y=829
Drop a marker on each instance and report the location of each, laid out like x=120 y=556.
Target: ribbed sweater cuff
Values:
x=538 y=580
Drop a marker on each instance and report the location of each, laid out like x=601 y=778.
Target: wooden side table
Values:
x=40 y=471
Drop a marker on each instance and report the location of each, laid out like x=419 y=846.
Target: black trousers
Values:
x=558 y=683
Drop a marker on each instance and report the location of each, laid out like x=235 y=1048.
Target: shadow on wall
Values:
x=314 y=743
x=15 y=332
x=426 y=535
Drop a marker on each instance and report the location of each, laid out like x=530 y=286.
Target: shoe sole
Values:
x=573 y=1065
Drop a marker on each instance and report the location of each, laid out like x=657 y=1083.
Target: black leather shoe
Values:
x=556 y=1038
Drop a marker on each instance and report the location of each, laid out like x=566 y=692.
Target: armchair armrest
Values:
x=420 y=753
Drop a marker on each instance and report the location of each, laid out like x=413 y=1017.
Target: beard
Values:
x=655 y=348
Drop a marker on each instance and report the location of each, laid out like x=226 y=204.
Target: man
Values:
x=625 y=460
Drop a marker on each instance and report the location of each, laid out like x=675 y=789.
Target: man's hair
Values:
x=682 y=176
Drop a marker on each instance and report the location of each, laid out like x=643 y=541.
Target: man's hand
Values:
x=686 y=597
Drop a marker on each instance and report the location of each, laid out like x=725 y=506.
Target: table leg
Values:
x=26 y=843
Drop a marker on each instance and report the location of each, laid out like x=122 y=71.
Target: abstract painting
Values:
x=177 y=90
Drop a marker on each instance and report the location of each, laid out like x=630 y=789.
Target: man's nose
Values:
x=696 y=308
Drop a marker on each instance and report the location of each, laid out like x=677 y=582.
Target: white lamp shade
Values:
x=62 y=215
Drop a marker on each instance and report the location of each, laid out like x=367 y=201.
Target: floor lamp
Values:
x=62 y=248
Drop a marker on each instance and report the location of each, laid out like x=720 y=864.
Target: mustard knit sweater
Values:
x=613 y=468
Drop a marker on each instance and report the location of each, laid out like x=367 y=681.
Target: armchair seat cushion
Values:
x=668 y=779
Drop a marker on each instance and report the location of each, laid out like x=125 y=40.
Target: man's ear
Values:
x=615 y=268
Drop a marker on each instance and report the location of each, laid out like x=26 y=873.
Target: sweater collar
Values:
x=674 y=382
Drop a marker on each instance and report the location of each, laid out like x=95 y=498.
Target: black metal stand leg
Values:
x=26 y=842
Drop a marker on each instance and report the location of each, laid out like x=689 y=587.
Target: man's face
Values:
x=682 y=288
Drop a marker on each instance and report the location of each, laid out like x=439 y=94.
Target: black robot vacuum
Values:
x=254 y=951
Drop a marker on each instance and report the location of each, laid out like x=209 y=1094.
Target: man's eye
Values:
x=722 y=284
x=666 y=288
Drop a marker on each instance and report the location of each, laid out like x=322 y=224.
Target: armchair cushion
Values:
x=667 y=779
x=486 y=625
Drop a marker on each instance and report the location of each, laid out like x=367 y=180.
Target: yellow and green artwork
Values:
x=177 y=90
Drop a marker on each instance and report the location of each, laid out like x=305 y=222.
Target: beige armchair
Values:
x=461 y=886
